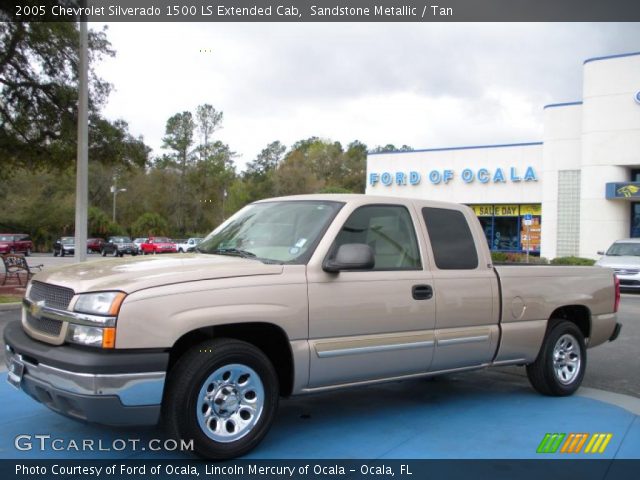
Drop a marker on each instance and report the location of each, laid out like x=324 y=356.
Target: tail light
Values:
x=616 y=303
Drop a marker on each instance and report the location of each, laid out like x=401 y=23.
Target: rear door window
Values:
x=451 y=239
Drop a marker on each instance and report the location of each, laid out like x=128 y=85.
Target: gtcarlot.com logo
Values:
x=574 y=443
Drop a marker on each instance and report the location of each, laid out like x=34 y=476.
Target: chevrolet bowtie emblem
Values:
x=36 y=309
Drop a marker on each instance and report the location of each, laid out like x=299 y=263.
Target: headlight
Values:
x=91 y=336
x=101 y=303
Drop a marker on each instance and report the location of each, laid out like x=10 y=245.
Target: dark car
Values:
x=15 y=242
x=64 y=246
x=94 y=245
x=118 y=246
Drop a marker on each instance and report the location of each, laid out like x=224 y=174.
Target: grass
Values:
x=10 y=298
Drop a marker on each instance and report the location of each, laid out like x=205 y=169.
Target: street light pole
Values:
x=115 y=191
x=82 y=173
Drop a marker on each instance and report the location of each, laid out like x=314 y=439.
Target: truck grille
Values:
x=53 y=295
x=44 y=325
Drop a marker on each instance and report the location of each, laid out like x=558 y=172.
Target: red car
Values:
x=94 y=245
x=158 y=245
x=15 y=242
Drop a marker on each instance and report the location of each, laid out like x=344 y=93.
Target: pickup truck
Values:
x=188 y=245
x=15 y=243
x=298 y=295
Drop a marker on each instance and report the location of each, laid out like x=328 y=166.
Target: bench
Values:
x=14 y=265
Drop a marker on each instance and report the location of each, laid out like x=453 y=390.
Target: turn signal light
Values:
x=109 y=338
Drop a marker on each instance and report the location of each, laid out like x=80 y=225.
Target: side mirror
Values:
x=600 y=252
x=350 y=256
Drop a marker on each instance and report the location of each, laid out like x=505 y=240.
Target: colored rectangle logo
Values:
x=592 y=443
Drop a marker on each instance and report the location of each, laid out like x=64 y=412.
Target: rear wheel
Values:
x=62 y=252
x=561 y=363
x=55 y=253
x=223 y=394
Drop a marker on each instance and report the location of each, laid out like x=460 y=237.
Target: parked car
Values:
x=64 y=246
x=15 y=243
x=118 y=246
x=624 y=257
x=298 y=295
x=94 y=245
x=138 y=243
x=158 y=245
x=188 y=245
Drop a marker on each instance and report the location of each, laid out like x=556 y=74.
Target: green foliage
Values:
x=331 y=189
x=150 y=224
x=572 y=261
x=508 y=257
x=39 y=95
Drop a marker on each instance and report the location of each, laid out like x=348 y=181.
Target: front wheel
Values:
x=104 y=253
x=223 y=394
x=561 y=363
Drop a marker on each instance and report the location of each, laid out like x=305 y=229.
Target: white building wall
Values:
x=610 y=144
x=562 y=151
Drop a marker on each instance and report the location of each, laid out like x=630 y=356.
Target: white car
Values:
x=624 y=257
x=189 y=245
x=138 y=243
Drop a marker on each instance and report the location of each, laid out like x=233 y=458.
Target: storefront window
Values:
x=505 y=228
x=635 y=220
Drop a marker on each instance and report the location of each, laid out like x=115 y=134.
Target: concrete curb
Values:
x=10 y=306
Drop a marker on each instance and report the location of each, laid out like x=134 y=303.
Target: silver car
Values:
x=624 y=257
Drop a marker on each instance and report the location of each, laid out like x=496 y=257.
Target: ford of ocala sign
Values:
x=482 y=175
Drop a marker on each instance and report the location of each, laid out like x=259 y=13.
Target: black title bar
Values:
x=323 y=10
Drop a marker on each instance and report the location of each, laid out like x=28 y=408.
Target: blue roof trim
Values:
x=528 y=144
x=620 y=55
x=565 y=104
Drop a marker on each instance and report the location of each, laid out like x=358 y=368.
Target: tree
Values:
x=179 y=138
x=39 y=94
x=390 y=147
x=259 y=174
x=150 y=224
x=209 y=120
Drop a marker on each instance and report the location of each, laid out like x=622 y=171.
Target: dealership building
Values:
x=573 y=193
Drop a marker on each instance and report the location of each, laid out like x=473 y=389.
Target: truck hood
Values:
x=131 y=274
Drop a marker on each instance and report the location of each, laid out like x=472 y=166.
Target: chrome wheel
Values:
x=566 y=359
x=230 y=403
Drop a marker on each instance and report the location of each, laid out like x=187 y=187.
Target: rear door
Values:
x=376 y=323
x=465 y=288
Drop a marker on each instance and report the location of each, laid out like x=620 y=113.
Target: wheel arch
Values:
x=580 y=315
x=269 y=338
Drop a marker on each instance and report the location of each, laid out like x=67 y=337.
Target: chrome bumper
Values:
x=132 y=389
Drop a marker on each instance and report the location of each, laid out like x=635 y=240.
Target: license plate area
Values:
x=16 y=370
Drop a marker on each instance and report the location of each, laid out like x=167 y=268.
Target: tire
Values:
x=180 y=250
x=219 y=366
x=559 y=369
x=115 y=253
x=121 y=254
x=55 y=254
x=103 y=253
x=27 y=253
x=62 y=252
x=88 y=251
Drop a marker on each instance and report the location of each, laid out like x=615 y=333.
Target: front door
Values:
x=377 y=323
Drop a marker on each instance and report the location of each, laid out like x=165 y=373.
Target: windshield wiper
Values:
x=233 y=251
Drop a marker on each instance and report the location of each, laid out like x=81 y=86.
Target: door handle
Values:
x=422 y=292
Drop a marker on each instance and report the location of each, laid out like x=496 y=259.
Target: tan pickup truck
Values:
x=298 y=295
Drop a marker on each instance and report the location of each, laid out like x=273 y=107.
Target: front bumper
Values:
x=111 y=388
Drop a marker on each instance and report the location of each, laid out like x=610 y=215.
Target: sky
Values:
x=426 y=85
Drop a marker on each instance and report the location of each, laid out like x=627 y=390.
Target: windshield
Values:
x=120 y=239
x=624 y=249
x=67 y=240
x=280 y=232
x=6 y=238
x=161 y=240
